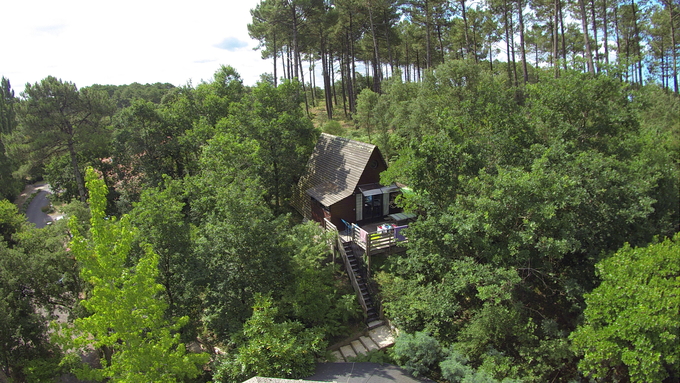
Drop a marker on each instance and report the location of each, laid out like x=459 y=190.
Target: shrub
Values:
x=333 y=127
x=419 y=353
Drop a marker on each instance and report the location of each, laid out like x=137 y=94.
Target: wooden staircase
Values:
x=356 y=268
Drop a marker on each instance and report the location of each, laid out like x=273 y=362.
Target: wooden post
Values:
x=368 y=265
x=368 y=255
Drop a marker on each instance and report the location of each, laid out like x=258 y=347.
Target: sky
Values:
x=120 y=42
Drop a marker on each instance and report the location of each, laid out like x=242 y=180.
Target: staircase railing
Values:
x=350 y=272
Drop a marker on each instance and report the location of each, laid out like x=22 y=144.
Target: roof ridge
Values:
x=349 y=141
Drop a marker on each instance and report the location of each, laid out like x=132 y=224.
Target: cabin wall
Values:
x=372 y=174
x=317 y=211
x=343 y=209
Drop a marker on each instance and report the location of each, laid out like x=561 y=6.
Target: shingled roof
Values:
x=333 y=171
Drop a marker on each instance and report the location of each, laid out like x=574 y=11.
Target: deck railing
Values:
x=329 y=226
x=376 y=241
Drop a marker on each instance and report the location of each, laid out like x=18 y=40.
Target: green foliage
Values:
x=454 y=368
x=271 y=349
x=160 y=221
x=125 y=319
x=418 y=353
x=365 y=115
x=10 y=186
x=436 y=302
x=22 y=328
x=11 y=222
x=373 y=356
x=237 y=237
x=313 y=297
x=518 y=198
x=215 y=98
x=8 y=120
x=76 y=211
x=333 y=127
x=55 y=118
x=586 y=112
x=274 y=118
x=36 y=278
x=147 y=144
x=45 y=370
x=58 y=174
x=632 y=323
x=124 y=95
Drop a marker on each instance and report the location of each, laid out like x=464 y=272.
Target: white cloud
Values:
x=231 y=44
x=127 y=41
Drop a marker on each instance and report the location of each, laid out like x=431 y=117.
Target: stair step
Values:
x=374 y=324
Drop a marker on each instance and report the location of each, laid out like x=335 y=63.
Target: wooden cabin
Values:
x=342 y=183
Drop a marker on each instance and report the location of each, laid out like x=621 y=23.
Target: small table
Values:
x=384 y=228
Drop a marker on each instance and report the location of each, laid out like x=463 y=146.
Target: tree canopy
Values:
x=526 y=186
x=632 y=322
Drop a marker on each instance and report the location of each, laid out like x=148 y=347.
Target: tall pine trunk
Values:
x=618 y=39
x=276 y=53
x=428 y=33
x=376 y=54
x=312 y=80
x=474 y=44
x=304 y=87
x=512 y=47
x=507 y=39
x=674 y=46
x=597 y=51
x=326 y=81
x=465 y=26
x=387 y=40
x=342 y=82
x=556 y=39
x=296 y=49
x=637 y=41
x=563 y=36
x=605 y=30
x=586 y=38
x=525 y=73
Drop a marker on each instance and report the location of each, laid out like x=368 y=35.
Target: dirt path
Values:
x=28 y=190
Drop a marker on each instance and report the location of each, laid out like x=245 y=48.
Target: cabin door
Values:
x=373 y=206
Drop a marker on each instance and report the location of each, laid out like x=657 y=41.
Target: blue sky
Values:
x=105 y=42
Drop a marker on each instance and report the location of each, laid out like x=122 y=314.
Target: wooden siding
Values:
x=344 y=209
x=334 y=170
x=372 y=175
